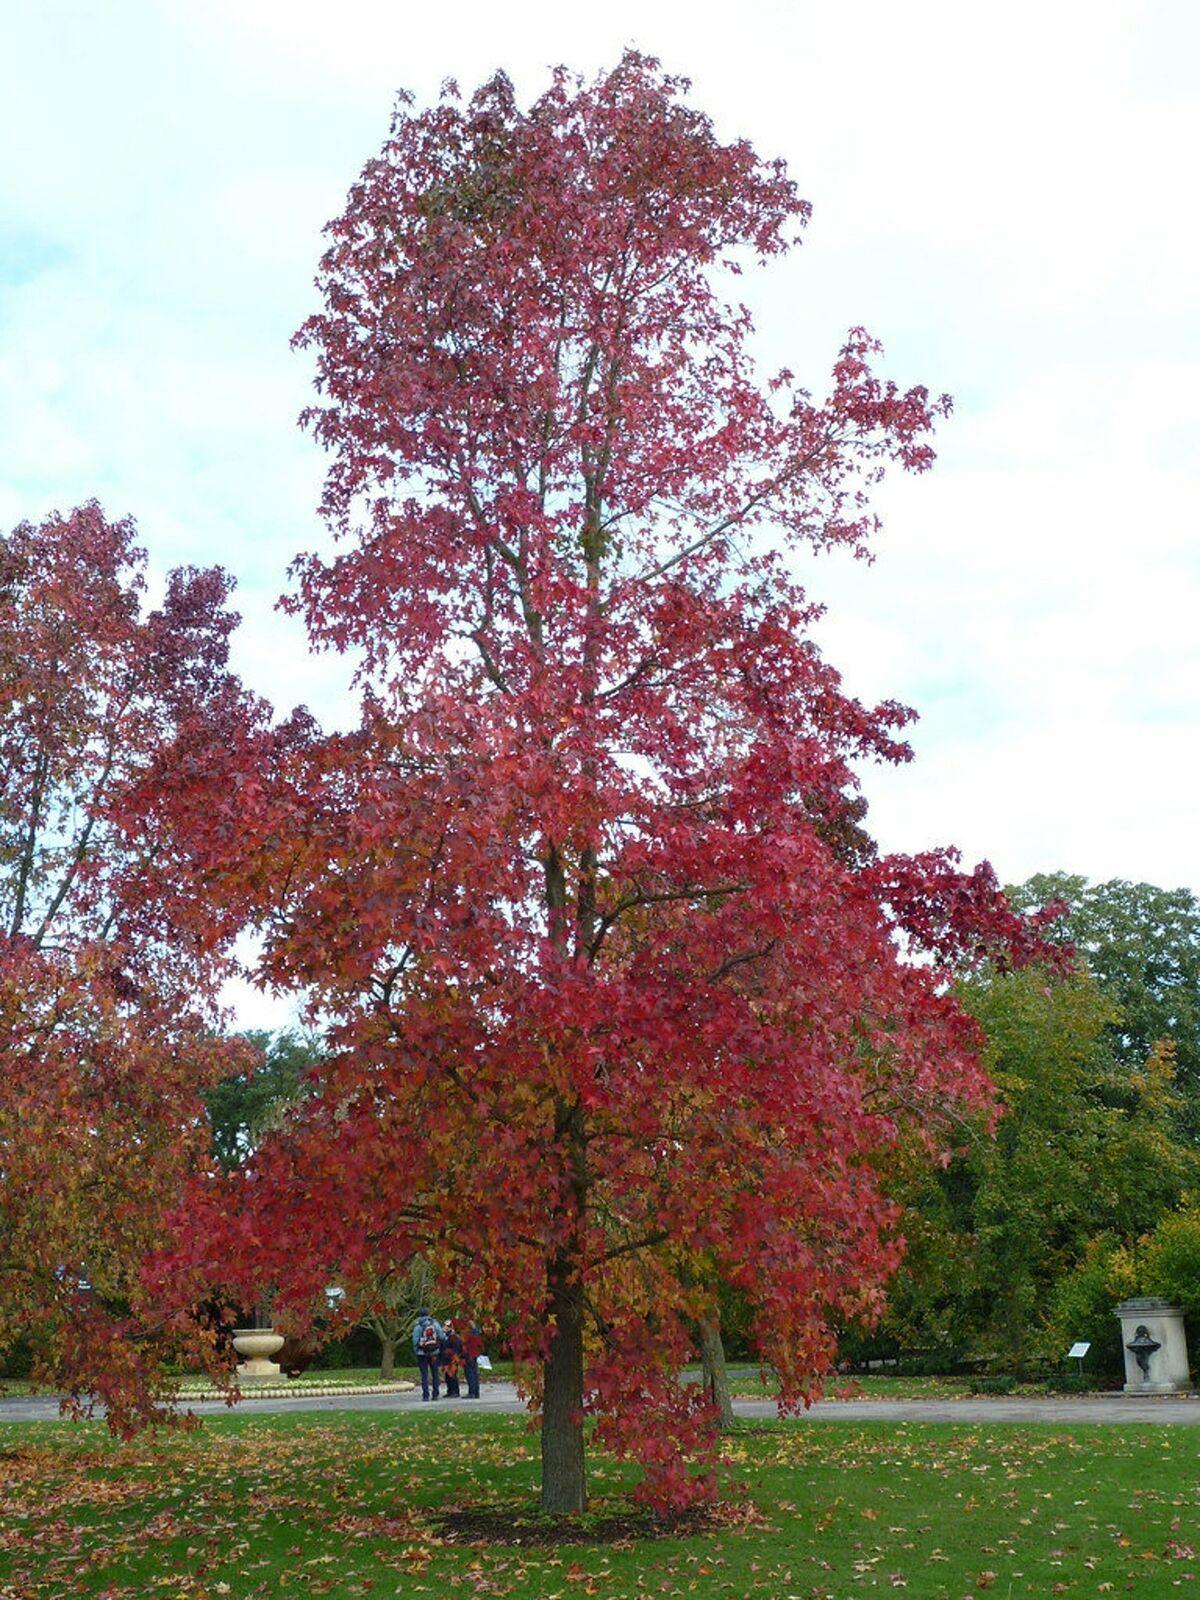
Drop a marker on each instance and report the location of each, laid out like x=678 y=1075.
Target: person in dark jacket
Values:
x=472 y=1350
x=428 y=1339
x=452 y=1361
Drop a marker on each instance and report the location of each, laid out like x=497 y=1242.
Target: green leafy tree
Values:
x=1142 y=945
x=1082 y=1304
x=1086 y=1147
x=242 y=1107
x=1169 y=1261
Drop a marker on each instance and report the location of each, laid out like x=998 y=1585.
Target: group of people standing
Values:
x=444 y=1354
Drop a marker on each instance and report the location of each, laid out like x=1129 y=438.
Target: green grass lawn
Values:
x=340 y=1504
x=750 y=1383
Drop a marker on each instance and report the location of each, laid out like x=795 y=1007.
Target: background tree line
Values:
x=1088 y=1190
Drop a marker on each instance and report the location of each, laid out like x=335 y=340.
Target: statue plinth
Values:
x=1156 y=1359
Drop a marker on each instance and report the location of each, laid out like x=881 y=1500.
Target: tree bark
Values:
x=564 y=1476
x=387 y=1364
x=564 y=1481
x=716 y=1376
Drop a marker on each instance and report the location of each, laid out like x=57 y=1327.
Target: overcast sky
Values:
x=1006 y=196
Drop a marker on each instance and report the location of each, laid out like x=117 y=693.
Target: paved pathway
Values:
x=502 y=1397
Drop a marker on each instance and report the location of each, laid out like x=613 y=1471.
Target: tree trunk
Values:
x=387 y=1364
x=564 y=1476
x=716 y=1377
x=564 y=1482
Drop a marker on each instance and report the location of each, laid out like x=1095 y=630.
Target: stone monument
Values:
x=1156 y=1359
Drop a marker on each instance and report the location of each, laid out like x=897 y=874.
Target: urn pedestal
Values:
x=257 y=1346
x=1156 y=1358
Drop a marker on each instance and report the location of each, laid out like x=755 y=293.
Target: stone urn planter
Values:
x=256 y=1346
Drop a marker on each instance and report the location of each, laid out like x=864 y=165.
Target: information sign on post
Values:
x=1077 y=1352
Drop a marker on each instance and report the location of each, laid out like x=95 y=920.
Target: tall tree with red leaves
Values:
x=621 y=995
x=104 y=1038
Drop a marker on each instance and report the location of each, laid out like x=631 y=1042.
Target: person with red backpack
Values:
x=428 y=1339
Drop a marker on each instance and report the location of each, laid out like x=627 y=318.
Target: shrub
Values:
x=16 y=1360
x=1002 y=1384
x=1070 y=1383
x=359 y=1348
x=939 y=1365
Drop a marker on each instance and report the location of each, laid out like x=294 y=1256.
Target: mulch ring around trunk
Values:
x=495 y=1525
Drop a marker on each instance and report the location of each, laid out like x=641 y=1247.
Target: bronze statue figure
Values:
x=1143 y=1347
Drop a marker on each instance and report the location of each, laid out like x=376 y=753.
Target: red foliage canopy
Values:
x=619 y=989
x=103 y=1036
